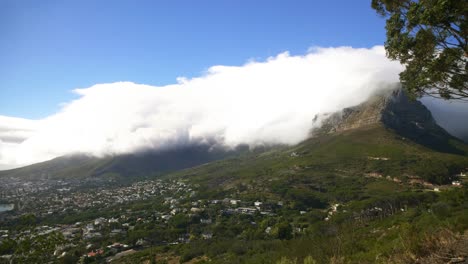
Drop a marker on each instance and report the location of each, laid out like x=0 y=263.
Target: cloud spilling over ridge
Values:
x=268 y=102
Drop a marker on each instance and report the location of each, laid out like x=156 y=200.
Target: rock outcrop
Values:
x=396 y=111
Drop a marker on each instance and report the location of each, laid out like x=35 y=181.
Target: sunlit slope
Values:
x=371 y=149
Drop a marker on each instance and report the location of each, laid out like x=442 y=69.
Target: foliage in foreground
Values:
x=430 y=38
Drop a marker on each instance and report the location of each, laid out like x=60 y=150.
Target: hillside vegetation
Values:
x=358 y=152
x=363 y=176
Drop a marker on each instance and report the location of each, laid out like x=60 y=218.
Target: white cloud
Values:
x=273 y=101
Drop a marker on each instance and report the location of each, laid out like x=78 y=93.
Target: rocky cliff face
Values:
x=394 y=110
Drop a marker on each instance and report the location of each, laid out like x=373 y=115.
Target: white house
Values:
x=456 y=183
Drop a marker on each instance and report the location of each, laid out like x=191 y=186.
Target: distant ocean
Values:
x=6 y=207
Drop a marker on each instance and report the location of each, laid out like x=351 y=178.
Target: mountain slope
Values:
x=388 y=125
x=387 y=135
x=357 y=152
x=362 y=161
x=120 y=166
x=394 y=110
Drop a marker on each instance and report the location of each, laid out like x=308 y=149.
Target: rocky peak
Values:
x=394 y=110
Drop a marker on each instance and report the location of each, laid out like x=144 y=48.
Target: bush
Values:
x=441 y=209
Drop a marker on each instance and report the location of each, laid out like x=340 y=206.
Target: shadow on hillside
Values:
x=412 y=120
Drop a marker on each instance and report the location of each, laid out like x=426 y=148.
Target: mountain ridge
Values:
x=396 y=111
x=391 y=109
x=145 y=163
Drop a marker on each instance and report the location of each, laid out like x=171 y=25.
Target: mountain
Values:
x=385 y=164
x=388 y=125
x=145 y=163
x=395 y=111
x=372 y=184
x=388 y=135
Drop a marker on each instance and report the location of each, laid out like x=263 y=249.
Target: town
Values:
x=122 y=217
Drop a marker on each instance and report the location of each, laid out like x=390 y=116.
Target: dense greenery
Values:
x=430 y=225
x=430 y=38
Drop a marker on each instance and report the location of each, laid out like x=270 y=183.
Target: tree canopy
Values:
x=429 y=37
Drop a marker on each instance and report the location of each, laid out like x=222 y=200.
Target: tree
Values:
x=282 y=230
x=429 y=37
x=38 y=248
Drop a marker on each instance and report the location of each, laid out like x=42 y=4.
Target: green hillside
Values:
x=373 y=149
x=379 y=219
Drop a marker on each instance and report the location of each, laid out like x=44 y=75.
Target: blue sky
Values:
x=48 y=48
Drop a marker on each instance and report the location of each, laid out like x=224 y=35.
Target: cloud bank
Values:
x=267 y=102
